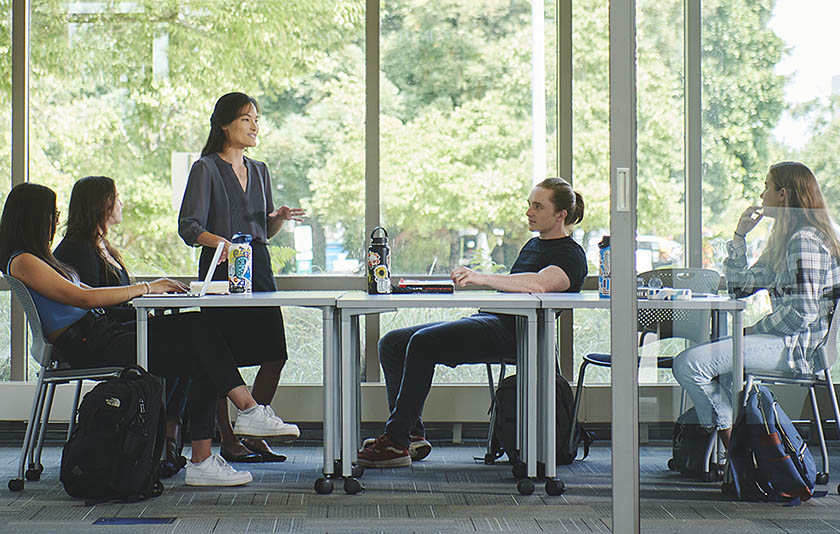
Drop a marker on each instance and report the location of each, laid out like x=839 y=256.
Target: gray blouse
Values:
x=215 y=202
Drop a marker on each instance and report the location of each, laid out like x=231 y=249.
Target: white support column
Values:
x=20 y=158
x=625 y=392
x=372 y=212
x=693 y=137
x=538 y=89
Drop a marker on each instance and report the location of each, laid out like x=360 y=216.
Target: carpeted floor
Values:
x=447 y=492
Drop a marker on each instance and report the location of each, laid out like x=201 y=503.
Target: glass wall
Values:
x=661 y=173
x=786 y=76
x=126 y=89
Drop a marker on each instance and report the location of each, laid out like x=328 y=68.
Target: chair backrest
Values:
x=41 y=349
x=827 y=348
x=694 y=325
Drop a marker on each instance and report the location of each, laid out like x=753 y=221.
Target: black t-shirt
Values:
x=564 y=252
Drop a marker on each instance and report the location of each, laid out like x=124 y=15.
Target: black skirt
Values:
x=254 y=335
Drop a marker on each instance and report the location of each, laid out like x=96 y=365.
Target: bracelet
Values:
x=148 y=288
x=742 y=236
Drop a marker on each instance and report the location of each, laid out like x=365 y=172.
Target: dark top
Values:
x=214 y=201
x=564 y=252
x=92 y=271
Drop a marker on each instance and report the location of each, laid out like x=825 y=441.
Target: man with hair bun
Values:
x=549 y=262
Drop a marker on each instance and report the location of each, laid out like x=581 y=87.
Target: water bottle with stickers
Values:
x=240 y=263
x=379 y=263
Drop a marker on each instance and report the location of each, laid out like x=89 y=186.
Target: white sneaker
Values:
x=215 y=471
x=263 y=423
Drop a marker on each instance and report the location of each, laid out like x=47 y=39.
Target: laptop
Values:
x=207 y=278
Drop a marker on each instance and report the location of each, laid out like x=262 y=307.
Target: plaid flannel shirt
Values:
x=802 y=294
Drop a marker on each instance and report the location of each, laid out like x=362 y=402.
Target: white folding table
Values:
x=551 y=303
x=323 y=300
x=521 y=305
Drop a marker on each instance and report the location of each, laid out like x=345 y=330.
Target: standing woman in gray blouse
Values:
x=229 y=193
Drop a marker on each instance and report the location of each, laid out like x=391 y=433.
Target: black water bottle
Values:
x=379 y=263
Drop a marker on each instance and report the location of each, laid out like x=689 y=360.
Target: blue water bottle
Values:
x=604 y=268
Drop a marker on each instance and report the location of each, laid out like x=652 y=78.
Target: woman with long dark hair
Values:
x=179 y=345
x=798 y=267
x=95 y=206
x=228 y=193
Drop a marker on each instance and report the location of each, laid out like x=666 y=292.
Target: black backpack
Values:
x=690 y=441
x=768 y=459
x=114 y=451
x=504 y=427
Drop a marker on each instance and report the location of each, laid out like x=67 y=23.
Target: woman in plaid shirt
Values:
x=798 y=267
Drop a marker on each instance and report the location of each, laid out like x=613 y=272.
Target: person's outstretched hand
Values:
x=285 y=213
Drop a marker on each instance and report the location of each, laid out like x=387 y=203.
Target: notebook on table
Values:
x=423 y=286
x=202 y=290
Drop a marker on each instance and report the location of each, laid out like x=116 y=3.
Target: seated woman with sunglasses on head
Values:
x=179 y=345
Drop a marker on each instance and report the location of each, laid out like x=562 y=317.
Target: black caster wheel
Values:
x=16 y=484
x=33 y=475
x=489 y=459
x=357 y=471
x=554 y=487
x=352 y=486
x=671 y=464
x=323 y=486
x=525 y=486
x=822 y=478
x=520 y=470
x=838 y=487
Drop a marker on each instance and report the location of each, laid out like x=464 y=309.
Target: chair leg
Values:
x=488 y=454
x=747 y=388
x=73 y=408
x=490 y=383
x=28 y=436
x=683 y=400
x=818 y=422
x=579 y=392
x=833 y=396
x=42 y=432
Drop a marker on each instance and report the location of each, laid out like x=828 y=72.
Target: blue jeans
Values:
x=409 y=355
x=705 y=372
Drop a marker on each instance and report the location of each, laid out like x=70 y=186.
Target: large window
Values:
x=126 y=89
x=457 y=141
x=785 y=69
x=456 y=130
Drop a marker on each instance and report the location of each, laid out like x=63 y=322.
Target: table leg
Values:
x=531 y=401
x=346 y=390
x=546 y=356
x=355 y=358
x=737 y=360
x=142 y=338
x=330 y=390
x=521 y=415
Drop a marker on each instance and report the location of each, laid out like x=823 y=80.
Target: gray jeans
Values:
x=705 y=372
